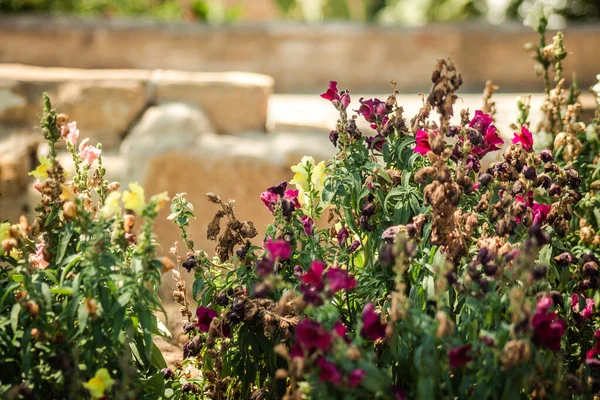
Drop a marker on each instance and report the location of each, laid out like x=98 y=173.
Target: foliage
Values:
x=430 y=275
x=78 y=285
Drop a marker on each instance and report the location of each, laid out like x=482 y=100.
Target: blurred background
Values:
x=222 y=96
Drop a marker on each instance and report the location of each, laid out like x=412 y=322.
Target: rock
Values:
x=236 y=102
x=161 y=129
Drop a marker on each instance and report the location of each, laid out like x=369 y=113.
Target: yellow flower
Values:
x=318 y=176
x=161 y=200
x=301 y=173
x=4 y=234
x=133 y=199
x=67 y=193
x=100 y=383
x=41 y=172
x=111 y=204
x=15 y=254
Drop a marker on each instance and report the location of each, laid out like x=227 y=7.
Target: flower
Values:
x=332 y=94
x=525 y=138
x=41 y=172
x=205 y=316
x=372 y=328
x=548 y=329
x=314 y=276
x=540 y=213
x=329 y=372
x=372 y=110
x=134 y=198
x=99 y=384
x=4 y=234
x=422 y=139
x=38 y=260
x=269 y=199
x=340 y=330
x=339 y=279
x=88 y=153
x=278 y=249
x=587 y=311
x=458 y=357
x=111 y=204
x=342 y=236
x=292 y=196
x=307 y=222
x=483 y=123
x=278 y=189
x=311 y=335
x=356 y=377
x=70 y=133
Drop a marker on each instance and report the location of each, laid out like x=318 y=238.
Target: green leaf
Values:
x=14 y=317
x=197 y=287
x=63 y=242
x=157 y=358
x=47 y=294
x=82 y=317
x=17 y=277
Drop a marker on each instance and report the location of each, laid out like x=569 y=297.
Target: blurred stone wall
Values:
x=301 y=58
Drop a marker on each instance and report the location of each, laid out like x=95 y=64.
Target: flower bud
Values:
x=69 y=210
x=565 y=259
x=529 y=172
x=590 y=269
x=546 y=156
x=113 y=186
x=32 y=308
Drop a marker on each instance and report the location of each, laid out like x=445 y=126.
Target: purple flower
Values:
x=314 y=276
x=353 y=246
x=372 y=110
x=342 y=236
x=311 y=335
x=264 y=267
x=278 y=189
x=525 y=138
x=422 y=139
x=356 y=377
x=458 y=357
x=329 y=372
x=376 y=142
x=307 y=222
x=372 y=328
x=311 y=295
x=205 y=316
x=339 y=279
x=278 y=249
x=333 y=137
x=269 y=199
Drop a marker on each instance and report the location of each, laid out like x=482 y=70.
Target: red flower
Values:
x=311 y=335
x=525 y=138
x=372 y=328
x=329 y=372
x=205 y=316
x=422 y=139
x=341 y=330
x=314 y=276
x=459 y=357
x=339 y=279
x=356 y=377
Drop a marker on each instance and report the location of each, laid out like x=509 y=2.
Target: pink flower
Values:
x=307 y=222
x=587 y=311
x=311 y=335
x=540 y=213
x=205 y=316
x=339 y=279
x=543 y=304
x=269 y=199
x=70 y=133
x=372 y=328
x=422 y=139
x=37 y=185
x=356 y=377
x=314 y=276
x=292 y=196
x=329 y=372
x=88 y=152
x=525 y=138
x=483 y=123
x=278 y=249
x=340 y=330
x=38 y=261
x=458 y=357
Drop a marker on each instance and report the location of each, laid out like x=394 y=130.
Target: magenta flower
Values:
x=314 y=276
x=339 y=279
x=205 y=316
x=372 y=328
x=307 y=222
x=292 y=196
x=356 y=377
x=540 y=213
x=458 y=357
x=329 y=372
x=270 y=200
x=332 y=94
x=278 y=249
x=296 y=351
x=422 y=139
x=278 y=189
x=483 y=123
x=341 y=330
x=525 y=138
x=88 y=153
x=548 y=329
x=587 y=311
x=311 y=335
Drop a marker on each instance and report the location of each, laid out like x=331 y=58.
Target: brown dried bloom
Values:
x=515 y=352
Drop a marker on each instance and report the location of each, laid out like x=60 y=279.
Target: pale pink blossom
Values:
x=37 y=260
x=88 y=152
x=72 y=133
x=37 y=185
